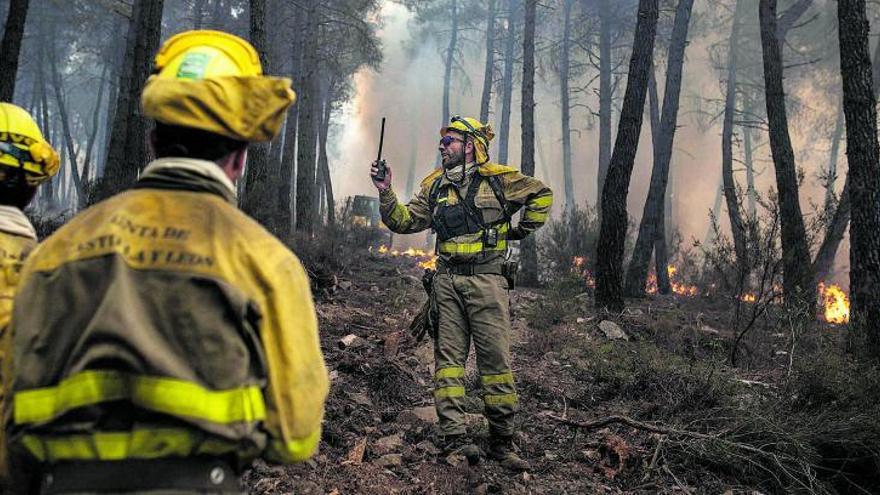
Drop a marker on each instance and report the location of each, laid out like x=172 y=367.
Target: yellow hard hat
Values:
x=213 y=81
x=200 y=54
x=481 y=133
x=22 y=145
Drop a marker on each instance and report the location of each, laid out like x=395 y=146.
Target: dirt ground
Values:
x=379 y=430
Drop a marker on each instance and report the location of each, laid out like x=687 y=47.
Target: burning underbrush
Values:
x=425 y=259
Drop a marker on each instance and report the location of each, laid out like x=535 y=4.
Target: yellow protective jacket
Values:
x=519 y=191
x=164 y=322
x=17 y=240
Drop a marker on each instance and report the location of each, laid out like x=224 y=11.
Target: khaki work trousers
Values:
x=473 y=307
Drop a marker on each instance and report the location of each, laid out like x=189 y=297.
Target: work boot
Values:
x=501 y=449
x=461 y=445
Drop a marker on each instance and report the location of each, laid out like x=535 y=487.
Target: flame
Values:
x=684 y=290
x=835 y=302
x=579 y=267
x=749 y=297
x=428 y=260
x=651 y=286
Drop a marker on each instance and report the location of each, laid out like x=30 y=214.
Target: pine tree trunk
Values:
x=651 y=227
x=489 y=70
x=65 y=118
x=797 y=272
x=566 y=107
x=92 y=139
x=10 y=47
x=260 y=193
x=324 y=162
x=605 y=96
x=660 y=252
x=737 y=226
x=507 y=81
x=863 y=154
x=450 y=59
x=45 y=125
x=309 y=107
x=528 y=247
x=127 y=152
x=748 y=161
x=831 y=173
x=612 y=232
x=288 y=155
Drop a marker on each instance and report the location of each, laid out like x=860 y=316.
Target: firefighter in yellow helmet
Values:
x=26 y=161
x=176 y=339
x=469 y=202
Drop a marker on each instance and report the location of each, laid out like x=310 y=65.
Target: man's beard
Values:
x=453 y=160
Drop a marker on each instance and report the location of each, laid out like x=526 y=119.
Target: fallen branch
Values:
x=599 y=423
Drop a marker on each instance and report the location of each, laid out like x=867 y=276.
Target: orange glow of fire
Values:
x=427 y=260
x=681 y=289
x=749 y=297
x=579 y=267
x=835 y=303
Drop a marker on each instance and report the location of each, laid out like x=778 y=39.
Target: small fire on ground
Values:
x=426 y=260
x=835 y=303
x=579 y=266
x=679 y=288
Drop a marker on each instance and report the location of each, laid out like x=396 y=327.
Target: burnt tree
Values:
x=612 y=231
x=797 y=272
x=863 y=156
x=737 y=225
x=529 y=251
x=258 y=201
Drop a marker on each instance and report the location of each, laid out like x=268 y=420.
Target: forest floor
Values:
x=663 y=362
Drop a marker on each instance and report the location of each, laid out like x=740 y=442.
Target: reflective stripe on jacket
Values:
x=520 y=192
x=170 y=324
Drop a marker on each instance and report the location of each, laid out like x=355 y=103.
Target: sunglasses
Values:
x=447 y=140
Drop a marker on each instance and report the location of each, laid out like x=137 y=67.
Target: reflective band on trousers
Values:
x=497 y=379
x=448 y=392
x=501 y=400
x=165 y=395
x=449 y=372
x=144 y=443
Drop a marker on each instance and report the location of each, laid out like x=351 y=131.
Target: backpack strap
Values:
x=498 y=191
